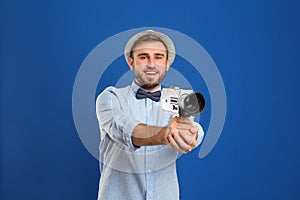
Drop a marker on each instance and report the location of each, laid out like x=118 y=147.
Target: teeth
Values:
x=151 y=73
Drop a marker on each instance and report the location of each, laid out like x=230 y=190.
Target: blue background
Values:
x=254 y=44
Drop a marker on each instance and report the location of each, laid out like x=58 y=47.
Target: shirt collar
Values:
x=135 y=87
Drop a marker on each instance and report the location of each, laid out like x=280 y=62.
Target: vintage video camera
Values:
x=184 y=102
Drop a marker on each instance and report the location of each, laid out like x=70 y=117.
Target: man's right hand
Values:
x=181 y=134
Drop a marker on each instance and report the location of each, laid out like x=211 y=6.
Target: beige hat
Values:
x=165 y=39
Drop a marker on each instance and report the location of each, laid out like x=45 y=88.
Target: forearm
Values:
x=144 y=135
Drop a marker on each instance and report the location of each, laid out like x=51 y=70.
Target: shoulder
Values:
x=112 y=91
x=116 y=91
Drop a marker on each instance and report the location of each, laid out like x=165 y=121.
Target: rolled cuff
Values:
x=200 y=133
x=128 y=130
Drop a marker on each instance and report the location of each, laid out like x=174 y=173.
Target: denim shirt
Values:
x=129 y=172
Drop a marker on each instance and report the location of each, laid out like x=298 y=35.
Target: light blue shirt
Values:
x=129 y=172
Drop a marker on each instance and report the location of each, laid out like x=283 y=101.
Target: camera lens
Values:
x=191 y=104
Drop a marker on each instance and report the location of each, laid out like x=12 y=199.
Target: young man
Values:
x=140 y=141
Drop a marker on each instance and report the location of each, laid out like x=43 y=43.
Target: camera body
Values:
x=184 y=102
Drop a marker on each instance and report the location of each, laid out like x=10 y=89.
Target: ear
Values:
x=130 y=63
x=168 y=64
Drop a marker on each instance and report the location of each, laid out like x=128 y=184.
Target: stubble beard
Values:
x=145 y=84
x=149 y=86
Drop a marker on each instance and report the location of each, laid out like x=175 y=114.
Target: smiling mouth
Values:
x=150 y=73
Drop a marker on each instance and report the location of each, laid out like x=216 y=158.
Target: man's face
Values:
x=149 y=63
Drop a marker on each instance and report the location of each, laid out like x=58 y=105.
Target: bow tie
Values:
x=141 y=94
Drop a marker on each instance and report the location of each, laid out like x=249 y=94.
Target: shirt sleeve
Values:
x=112 y=118
x=200 y=132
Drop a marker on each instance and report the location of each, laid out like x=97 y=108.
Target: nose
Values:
x=151 y=61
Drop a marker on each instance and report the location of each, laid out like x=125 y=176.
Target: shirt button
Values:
x=149 y=194
x=149 y=149
x=148 y=170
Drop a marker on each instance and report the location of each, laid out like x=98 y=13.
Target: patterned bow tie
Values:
x=141 y=94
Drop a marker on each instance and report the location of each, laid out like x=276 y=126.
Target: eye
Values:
x=142 y=57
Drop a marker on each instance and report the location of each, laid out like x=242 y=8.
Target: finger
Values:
x=188 y=138
x=189 y=150
x=184 y=126
x=194 y=129
x=174 y=145
x=180 y=142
